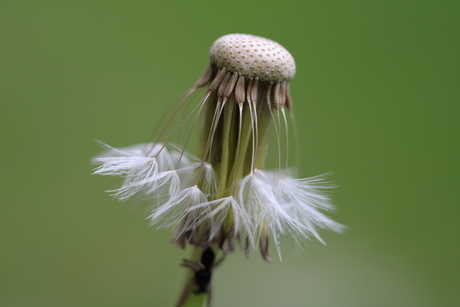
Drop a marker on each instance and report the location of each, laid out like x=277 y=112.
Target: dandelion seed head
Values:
x=253 y=56
x=225 y=193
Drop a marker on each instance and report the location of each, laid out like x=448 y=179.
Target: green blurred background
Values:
x=377 y=101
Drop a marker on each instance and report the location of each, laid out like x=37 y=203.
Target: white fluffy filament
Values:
x=285 y=205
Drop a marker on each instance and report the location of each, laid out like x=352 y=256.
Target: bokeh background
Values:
x=377 y=101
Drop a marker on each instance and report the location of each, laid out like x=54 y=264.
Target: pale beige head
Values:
x=253 y=56
x=249 y=66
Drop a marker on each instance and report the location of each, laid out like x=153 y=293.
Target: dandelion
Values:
x=224 y=194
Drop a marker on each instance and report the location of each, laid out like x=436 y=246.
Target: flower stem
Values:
x=195 y=300
x=187 y=297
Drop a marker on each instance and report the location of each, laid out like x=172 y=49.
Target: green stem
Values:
x=195 y=300
x=187 y=297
